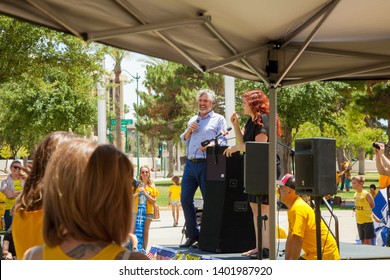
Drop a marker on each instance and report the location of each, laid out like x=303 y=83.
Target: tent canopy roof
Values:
x=278 y=42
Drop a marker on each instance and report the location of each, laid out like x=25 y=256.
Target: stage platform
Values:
x=348 y=251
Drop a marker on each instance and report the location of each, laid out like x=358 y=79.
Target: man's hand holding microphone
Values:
x=192 y=128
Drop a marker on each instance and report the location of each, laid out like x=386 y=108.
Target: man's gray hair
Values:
x=210 y=94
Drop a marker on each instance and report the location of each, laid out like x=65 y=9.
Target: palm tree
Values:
x=118 y=56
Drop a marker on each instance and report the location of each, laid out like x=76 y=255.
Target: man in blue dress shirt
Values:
x=204 y=126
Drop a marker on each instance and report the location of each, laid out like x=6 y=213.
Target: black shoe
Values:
x=189 y=242
x=265 y=252
x=195 y=245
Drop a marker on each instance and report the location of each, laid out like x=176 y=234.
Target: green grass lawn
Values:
x=371 y=178
x=163 y=188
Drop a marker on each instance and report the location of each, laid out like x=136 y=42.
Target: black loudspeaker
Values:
x=315 y=163
x=256 y=168
x=227 y=221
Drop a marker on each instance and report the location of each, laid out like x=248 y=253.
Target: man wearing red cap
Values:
x=302 y=226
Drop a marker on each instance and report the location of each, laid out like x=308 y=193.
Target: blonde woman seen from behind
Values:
x=86 y=185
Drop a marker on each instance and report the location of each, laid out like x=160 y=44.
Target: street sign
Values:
x=123 y=121
x=165 y=153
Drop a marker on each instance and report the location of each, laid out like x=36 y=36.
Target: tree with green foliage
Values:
x=356 y=137
x=166 y=108
x=118 y=56
x=375 y=102
x=46 y=83
x=318 y=103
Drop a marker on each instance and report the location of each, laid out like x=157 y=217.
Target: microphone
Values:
x=197 y=121
x=206 y=142
x=227 y=131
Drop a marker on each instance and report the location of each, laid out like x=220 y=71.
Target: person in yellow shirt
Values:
x=145 y=196
x=174 y=199
x=346 y=169
x=2 y=207
x=27 y=211
x=364 y=203
x=11 y=186
x=338 y=179
x=302 y=227
x=86 y=204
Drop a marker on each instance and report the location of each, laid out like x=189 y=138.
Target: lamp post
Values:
x=137 y=132
x=136 y=77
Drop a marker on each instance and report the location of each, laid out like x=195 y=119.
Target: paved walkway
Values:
x=163 y=233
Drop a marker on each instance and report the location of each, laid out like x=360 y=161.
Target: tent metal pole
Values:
x=54 y=15
x=308 y=40
x=144 y=28
x=329 y=7
x=141 y=19
x=232 y=49
x=325 y=51
x=340 y=74
x=272 y=172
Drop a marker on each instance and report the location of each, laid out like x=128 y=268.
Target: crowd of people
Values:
x=66 y=210
x=301 y=235
x=79 y=199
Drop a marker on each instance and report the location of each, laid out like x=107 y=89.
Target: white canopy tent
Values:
x=278 y=42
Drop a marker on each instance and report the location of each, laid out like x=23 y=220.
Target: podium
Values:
x=227 y=221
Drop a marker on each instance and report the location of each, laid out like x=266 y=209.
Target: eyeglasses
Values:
x=16 y=167
x=144 y=172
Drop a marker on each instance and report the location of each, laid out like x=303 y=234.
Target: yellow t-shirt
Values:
x=108 y=253
x=175 y=191
x=9 y=202
x=152 y=191
x=363 y=209
x=301 y=222
x=27 y=230
x=383 y=182
x=338 y=178
x=2 y=203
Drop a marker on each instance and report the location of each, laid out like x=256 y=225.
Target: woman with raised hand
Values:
x=12 y=187
x=255 y=105
x=27 y=210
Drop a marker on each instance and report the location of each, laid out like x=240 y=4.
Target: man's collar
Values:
x=211 y=114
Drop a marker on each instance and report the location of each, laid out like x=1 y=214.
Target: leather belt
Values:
x=197 y=160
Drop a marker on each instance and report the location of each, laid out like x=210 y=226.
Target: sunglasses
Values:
x=16 y=167
x=144 y=172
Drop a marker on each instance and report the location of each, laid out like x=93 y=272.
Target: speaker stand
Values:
x=317 y=212
x=260 y=220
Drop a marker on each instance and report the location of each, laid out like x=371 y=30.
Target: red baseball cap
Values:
x=288 y=180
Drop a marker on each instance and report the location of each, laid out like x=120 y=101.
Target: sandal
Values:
x=249 y=253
